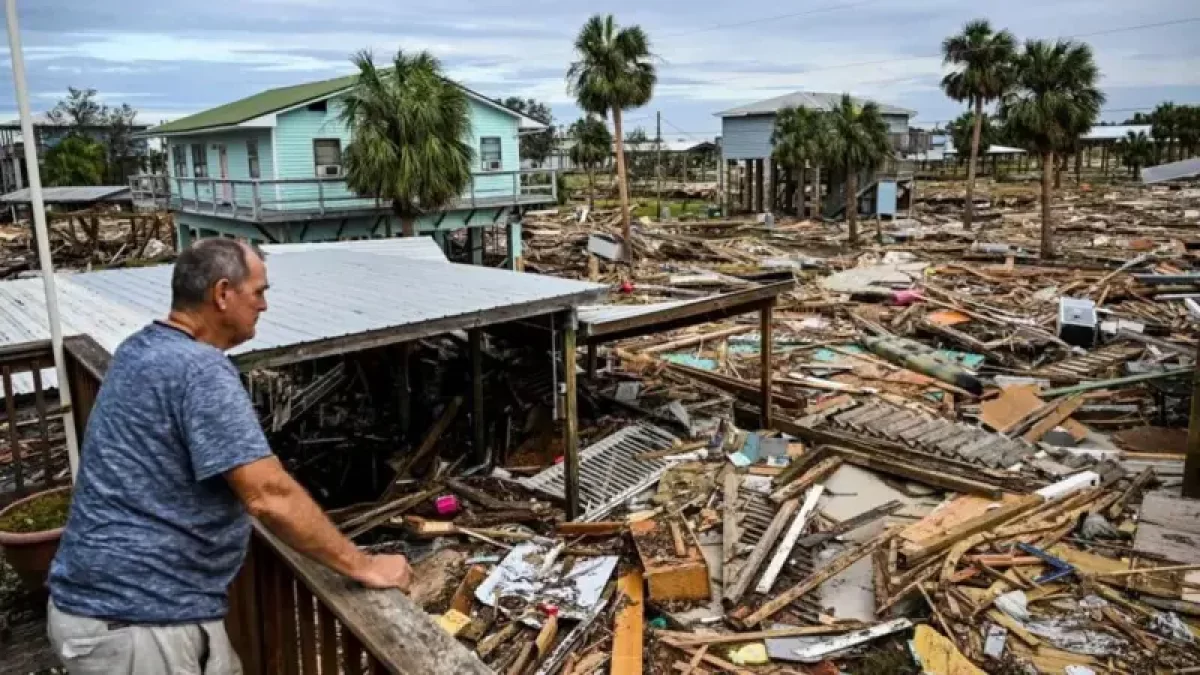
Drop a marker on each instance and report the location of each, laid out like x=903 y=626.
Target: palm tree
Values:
x=1136 y=151
x=408 y=125
x=593 y=146
x=983 y=59
x=1188 y=121
x=962 y=134
x=799 y=139
x=613 y=73
x=1164 y=126
x=858 y=141
x=1054 y=102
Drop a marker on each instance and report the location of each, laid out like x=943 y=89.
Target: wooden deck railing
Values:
x=33 y=453
x=290 y=615
x=278 y=200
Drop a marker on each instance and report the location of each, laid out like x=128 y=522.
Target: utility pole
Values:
x=658 y=171
x=41 y=235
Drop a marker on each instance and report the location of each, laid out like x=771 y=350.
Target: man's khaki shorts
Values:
x=95 y=647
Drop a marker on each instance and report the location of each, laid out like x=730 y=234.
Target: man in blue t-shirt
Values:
x=173 y=464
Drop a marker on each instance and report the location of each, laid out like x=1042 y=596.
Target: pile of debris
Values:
x=972 y=467
x=89 y=239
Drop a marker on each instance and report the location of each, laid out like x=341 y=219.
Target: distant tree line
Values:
x=99 y=147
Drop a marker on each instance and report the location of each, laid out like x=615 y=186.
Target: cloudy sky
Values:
x=172 y=57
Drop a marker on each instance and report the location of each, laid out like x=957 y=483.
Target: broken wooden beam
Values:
x=784 y=550
x=819 y=472
x=897 y=467
x=628 y=626
x=427 y=444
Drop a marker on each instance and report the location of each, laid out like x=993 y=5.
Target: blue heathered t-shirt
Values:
x=155 y=534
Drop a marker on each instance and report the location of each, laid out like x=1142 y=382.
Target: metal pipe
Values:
x=42 y=234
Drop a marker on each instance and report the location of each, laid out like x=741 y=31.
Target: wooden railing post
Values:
x=257 y=208
x=321 y=195
x=212 y=194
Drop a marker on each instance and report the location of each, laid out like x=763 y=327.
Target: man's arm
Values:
x=272 y=496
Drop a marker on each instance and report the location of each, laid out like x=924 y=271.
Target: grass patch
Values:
x=680 y=208
x=47 y=512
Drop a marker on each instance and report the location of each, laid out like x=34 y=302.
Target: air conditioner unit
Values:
x=329 y=170
x=493 y=165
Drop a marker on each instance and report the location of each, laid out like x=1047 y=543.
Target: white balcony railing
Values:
x=275 y=200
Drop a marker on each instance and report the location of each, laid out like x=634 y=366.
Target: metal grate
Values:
x=609 y=472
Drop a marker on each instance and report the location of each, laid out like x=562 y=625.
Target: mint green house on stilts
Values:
x=268 y=169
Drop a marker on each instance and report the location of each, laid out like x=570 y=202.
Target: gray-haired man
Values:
x=173 y=459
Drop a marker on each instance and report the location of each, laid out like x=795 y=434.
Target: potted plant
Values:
x=29 y=532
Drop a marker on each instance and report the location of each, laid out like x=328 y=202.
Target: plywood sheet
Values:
x=1169 y=528
x=1012 y=405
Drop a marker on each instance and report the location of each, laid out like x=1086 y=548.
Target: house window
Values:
x=327 y=155
x=318 y=106
x=199 y=160
x=179 y=159
x=489 y=153
x=252 y=159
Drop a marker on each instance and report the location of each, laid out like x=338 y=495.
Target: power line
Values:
x=790 y=15
x=1106 y=110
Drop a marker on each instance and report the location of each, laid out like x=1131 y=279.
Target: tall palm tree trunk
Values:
x=591 y=172
x=622 y=187
x=852 y=205
x=977 y=130
x=815 y=206
x=801 y=190
x=1048 y=167
x=408 y=224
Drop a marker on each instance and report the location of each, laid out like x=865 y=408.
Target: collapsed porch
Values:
x=330 y=307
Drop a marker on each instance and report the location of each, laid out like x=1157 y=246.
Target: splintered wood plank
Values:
x=1056 y=417
x=629 y=625
x=729 y=527
x=1169 y=528
x=959 y=510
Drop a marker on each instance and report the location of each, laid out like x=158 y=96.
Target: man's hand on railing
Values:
x=385 y=571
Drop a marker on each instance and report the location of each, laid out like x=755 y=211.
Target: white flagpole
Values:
x=41 y=233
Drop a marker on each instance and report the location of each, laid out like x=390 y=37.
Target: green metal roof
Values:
x=264 y=103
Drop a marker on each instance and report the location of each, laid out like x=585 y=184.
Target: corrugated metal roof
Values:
x=71 y=194
x=417 y=248
x=316 y=295
x=23 y=319
x=593 y=314
x=806 y=99
x=1173 y=171
x=1114 y=132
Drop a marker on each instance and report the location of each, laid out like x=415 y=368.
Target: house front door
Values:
x=223 y=162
